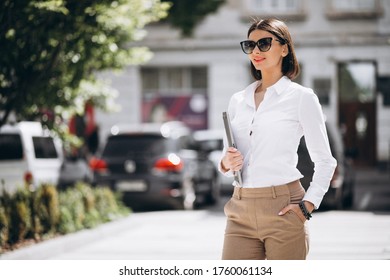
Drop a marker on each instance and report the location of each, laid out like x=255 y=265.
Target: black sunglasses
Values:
x=263 y=44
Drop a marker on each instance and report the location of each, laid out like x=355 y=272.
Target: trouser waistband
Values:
x=273 y=191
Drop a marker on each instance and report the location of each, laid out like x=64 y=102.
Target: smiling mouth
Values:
x=258 y=59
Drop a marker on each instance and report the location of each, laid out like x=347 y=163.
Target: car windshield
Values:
x=10 y=147
x=135 y=146
x=44 y=147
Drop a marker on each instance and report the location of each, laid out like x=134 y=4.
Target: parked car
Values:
x=29 y=156
x=155 y=163
x=74 y=168
x=341 y=190
x=211 y=142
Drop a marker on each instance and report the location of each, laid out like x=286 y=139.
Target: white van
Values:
x=29 y=156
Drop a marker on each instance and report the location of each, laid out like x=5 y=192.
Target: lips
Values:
x=258 y=59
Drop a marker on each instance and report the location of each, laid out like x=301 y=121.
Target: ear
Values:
x=285 y=50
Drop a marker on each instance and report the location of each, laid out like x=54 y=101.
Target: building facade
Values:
x=343 y=47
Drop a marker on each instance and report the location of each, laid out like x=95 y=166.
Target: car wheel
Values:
x=189 y=197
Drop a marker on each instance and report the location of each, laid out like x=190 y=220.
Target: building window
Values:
x=322 y=89
x=384 y=89
x=278 y=6
x=175 y=93
x=150 y=80
x=198 y=76
x=354 y=9
x=353 y=5
x=174 y=80
x=291 y=9
x=357 y=82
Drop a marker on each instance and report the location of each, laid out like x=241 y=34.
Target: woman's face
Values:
x=270 y=60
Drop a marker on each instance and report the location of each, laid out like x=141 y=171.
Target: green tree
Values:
x=51 y=51
x=186 y=14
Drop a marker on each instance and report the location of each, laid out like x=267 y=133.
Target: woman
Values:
x=266 y=215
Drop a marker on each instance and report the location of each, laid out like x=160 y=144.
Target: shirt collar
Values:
x=278 y=87
x=249 y=93
x=281 y=85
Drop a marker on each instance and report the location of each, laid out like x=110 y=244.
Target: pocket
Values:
x=226 y=207
x=291 y=213
x=236 y=209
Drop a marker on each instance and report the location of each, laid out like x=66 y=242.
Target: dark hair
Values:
x=278 y=28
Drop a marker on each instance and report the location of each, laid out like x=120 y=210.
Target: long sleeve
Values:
x=313 y=124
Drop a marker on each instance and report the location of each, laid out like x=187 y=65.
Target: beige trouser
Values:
x=254 y=230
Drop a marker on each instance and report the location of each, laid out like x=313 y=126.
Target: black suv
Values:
x=156 y=163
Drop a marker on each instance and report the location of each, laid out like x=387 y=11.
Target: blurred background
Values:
x=81 y=69
x=130 y=94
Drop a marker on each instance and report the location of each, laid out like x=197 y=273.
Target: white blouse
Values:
x=268 y=137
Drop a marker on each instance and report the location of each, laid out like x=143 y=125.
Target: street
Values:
x=372 y=190
x=360 y=233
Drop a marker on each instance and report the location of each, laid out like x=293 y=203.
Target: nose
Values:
x=256 y=49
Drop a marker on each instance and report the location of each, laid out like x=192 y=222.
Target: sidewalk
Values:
x=198 y=235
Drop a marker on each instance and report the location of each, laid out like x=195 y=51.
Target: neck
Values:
x=269 y=79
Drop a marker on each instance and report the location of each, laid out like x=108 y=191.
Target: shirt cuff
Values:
x=314 y=194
